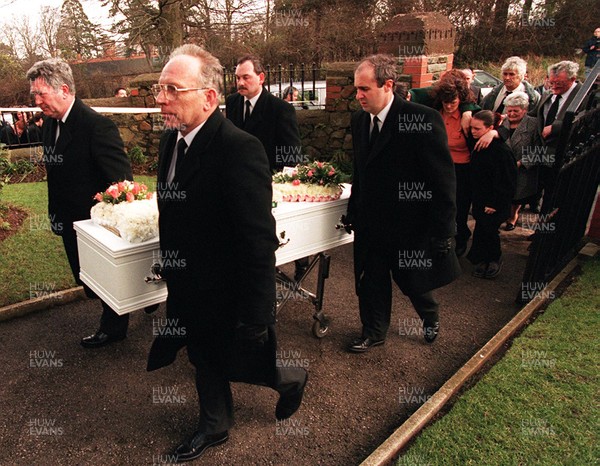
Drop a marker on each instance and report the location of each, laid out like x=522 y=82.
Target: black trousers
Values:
x=111 y=323
x=463 y=202
x=220 y=358
x=375 y=296
x=486 y=237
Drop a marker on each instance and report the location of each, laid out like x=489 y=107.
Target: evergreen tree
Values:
x=77 y=37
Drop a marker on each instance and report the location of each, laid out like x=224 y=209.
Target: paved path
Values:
x=101 y=407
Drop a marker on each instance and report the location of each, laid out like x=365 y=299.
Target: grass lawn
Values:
x=539 y=404
x=33 y=261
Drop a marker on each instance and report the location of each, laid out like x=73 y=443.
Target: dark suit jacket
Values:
x=403 y=192
x=217 y=239
x=274 y=122
x=487 y=103
x=86 y=159
x=221 y=226
x=552 y=141
x=476 y=90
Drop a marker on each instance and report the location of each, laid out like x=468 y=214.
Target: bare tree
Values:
x=48 y=29
x=29 y=39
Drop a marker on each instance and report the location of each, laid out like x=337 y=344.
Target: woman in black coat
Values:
x=494 y=177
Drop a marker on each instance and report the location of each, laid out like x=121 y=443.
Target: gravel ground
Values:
x=100 y=407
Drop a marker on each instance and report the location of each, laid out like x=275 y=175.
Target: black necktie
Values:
x=500 y=108
x=374 y=132
x=247 y=114
x=181 y=146
x=552 y=111
x=60 y=125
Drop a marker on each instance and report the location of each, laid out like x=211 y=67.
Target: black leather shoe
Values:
x=290 y=399
x=480 y=270
x=360 y=345
x=431 y=330
x=99 y=339
x=193 y=448
x=493 y=269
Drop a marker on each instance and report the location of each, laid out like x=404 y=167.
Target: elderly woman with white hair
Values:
x=520 y=133
x=513 y=75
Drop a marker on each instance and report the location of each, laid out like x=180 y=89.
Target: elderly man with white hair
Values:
x=520 y=133
x=550 y=114
x=513 y=75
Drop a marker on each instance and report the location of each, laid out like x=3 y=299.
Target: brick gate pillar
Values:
x=423 y=43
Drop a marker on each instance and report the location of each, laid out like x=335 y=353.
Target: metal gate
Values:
x=576 y=170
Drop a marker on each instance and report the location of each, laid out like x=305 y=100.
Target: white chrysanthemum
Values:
x=135 y=221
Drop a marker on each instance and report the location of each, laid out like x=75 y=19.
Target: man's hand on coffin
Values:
x=345 y=222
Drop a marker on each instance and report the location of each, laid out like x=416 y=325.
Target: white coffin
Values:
x=115 y=269
x=310 y=227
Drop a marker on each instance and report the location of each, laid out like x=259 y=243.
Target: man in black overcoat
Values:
x=83 y=153
x=272 y=120
x=218 y=242
x=402 y=207
x=550 y=115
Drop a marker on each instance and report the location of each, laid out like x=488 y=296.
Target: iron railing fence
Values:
x=564 y=215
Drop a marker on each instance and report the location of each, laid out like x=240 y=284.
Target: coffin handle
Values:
x=283 y=241
x=344 y=225
x=156 y=271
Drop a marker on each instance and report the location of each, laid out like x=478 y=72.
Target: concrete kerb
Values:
x=389 y=449
x=41 y=303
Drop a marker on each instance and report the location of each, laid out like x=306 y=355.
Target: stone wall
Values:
x=137 y=129
x=325 y=134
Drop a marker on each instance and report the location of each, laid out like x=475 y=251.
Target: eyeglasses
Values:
x=170 y=90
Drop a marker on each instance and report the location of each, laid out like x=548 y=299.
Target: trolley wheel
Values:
x=319 y=329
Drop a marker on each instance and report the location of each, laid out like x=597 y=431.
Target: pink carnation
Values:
x=129 y=197
x=310 y=173
x=98 y=197
x=113 y=191
x=331 y=172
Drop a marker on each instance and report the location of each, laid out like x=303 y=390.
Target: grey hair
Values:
x=569 y=67
x=211 y=71
x=55 y=72
x=515 y=63
x=383 y=65
x=517 y=99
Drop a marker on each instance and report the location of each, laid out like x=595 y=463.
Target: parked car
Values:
x=308 y=99
x=485 y=81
